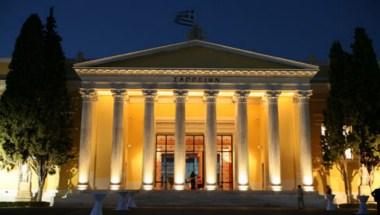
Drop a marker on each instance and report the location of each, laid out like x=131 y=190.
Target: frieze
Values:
x=196 y=79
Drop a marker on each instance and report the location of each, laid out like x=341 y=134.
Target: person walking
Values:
x=376 y=196
x=330 y=199
x=300 y=201
x=328 y=190
x=193 y=180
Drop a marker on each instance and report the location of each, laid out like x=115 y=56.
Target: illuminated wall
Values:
x=195 y=110
x=103 y=141
x=288 y=142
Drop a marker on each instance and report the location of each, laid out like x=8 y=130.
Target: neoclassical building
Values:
x=195 y=115
x=235 y=118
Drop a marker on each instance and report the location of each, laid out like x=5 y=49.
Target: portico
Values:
x=201 y=91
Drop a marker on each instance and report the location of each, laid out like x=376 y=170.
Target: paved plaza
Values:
x=179 y=211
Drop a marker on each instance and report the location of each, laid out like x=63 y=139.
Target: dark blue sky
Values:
x=294 y=29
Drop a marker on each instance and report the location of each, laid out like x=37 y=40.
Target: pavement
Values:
x=181 y=211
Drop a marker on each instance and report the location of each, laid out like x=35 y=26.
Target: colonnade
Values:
x=241 y=139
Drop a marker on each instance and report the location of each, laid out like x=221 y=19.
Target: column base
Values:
x=308 y=188
x=82 y=186
x=147 y=186
x=179 y=186
x=211 y=187
x=243 y=187
x=115 y=186
x=276 y=188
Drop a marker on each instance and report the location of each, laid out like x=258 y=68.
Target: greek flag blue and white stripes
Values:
x=185 y=18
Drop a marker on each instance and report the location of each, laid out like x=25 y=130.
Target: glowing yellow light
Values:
x=226 y=93
x=147 y=187
x=179 y=186
x=323 y=130
x=226 y=158
x=115 y=186
x=348 y=154
x=243 y=187
x=308 y=183
x=82 y=186
x=134 y=92
x=276 y=188
x=148 y=184
x=257 y=94
x=104 y=92
x=308 y=188
x=179 y=178
x=275 y=180
x=211 y=187
x=165 y=92
x=82 y=177
x=287 y=93
x=243 y=181
x=115 y=179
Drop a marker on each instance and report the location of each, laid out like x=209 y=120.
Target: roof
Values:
x=196 y=54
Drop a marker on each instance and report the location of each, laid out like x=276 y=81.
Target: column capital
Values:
x=303 y=95
x=241 y=95
x=118 y=93
x=88 y=94
x=180 y=94
x=210 y=95
x=149 y=94
x=272 y=94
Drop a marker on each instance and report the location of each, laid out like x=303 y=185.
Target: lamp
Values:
x=347 y=130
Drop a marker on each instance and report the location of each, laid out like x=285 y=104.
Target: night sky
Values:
x=299 y=29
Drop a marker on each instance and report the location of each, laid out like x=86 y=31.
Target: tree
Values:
x=45 y=138
x=17 y=121
x=364 y=113
x=333 y=142
x=354 y=102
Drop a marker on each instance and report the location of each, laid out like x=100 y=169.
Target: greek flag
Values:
x=185 y=18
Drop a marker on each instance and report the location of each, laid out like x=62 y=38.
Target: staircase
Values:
x=286 y=199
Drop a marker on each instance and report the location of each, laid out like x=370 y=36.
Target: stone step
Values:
x=198 y=198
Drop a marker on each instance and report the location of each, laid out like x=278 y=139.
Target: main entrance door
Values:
x=164 y=174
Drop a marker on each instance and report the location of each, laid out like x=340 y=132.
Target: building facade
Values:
x=196 y=115
x=237 y=119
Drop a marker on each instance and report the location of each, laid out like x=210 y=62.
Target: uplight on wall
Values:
x=348 y=154
x=323 y=130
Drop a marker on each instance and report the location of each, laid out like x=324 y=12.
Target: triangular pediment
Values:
x=196 y=54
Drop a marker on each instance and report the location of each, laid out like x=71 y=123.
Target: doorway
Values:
x=164 y=165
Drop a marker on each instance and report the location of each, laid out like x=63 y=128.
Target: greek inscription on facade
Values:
x=194 y=79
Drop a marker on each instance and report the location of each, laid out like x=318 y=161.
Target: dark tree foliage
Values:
x=365 y=102
x=333 y=142
x=354 y=100
x=17 y=107
x=35 y=104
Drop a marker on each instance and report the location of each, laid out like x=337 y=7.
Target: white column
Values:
x=117 y=139
x=302 y=98
x=149 y=140
x=210 y=140
x=88 y=100
x=180 y=145
x=241 y=140
x=273 y=141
